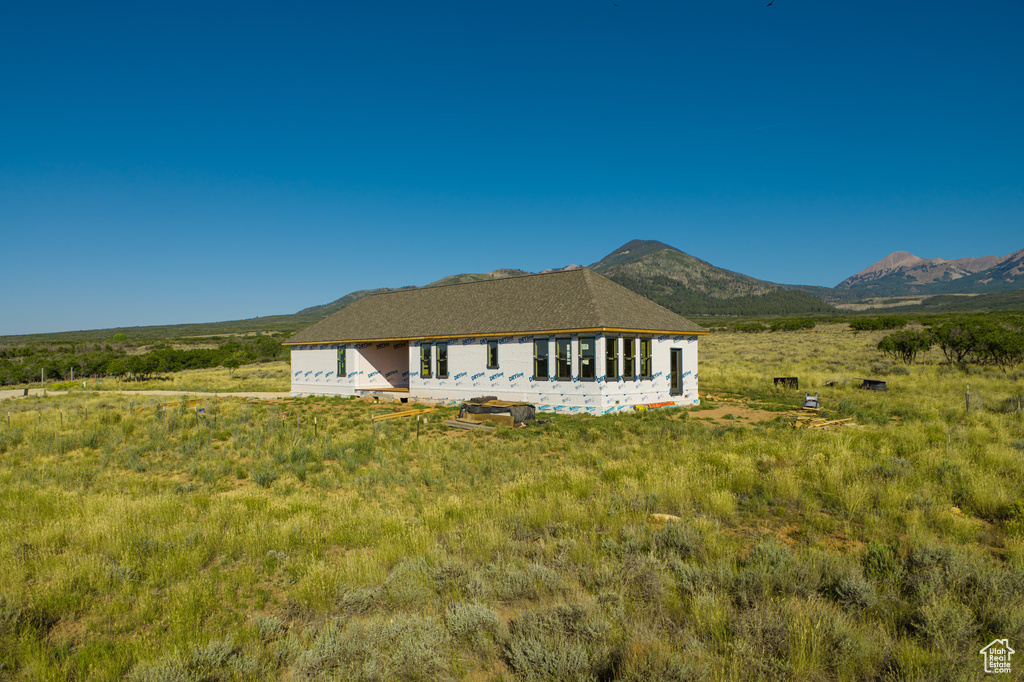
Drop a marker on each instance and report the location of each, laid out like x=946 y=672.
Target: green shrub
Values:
x=792 y=325
x=476 y=625
x=399 y=646
x=264 y=475
x=562 y=642
x=877 y=323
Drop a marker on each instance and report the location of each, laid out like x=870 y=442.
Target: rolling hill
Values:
x=690 y=286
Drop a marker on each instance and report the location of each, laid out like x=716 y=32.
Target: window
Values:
x=611 y=358
x=588 y=360
x=442 y=360
x=492 y=355
x=425 y=360
x=676 y=371
x=540 y=359
x=629 y=358
x=563 y=359
x=645 y=358
x=341 y=362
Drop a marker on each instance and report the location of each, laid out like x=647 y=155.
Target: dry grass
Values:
x=162 y=543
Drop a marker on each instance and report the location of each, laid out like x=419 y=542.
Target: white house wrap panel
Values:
x=380 y=368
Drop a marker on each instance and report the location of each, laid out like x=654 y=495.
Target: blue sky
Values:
x=189 y=162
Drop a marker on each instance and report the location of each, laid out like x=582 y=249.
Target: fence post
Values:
x=968 y=395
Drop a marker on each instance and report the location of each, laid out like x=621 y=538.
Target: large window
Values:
x=492 y=355
x=611 y=358
x=588 y=359
x=341 y=362
x=563 y=359
x=425 y=361
x=442 y=359
x=629 y=358
x=645 y=358
x=540 y=359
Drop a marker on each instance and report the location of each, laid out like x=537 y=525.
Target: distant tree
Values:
x=957 y=339
x=232 y=364
x=999 y=345
x=905 y=345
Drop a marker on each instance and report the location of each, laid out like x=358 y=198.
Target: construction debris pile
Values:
x=810 y=417
x=475 y=412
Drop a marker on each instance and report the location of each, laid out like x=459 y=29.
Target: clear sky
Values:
x=165 y=162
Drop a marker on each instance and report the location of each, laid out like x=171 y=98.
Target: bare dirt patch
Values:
x=735 y=414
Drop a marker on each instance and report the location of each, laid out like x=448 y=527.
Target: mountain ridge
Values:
x=902 y=272
x=676 y=280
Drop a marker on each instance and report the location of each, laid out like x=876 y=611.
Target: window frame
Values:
x=611 y=343
x=649 y=358
x=675 y=380
x=342 y=369
x=537 y=359
x=442 y=346
x=492 y=344
x=559 y=358
x=426 y=361
x=629 y=359
x=592 y=358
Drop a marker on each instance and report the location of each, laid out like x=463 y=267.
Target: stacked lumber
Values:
x=401 y=413
x=468 y=425
x=807 y=422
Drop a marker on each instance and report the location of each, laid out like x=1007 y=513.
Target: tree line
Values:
x=962 y=341
x=24 y=364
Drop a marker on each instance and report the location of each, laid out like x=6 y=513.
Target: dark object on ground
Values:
x=787 y=382
x=874 y=385
x=510 y=414
x=483 y=399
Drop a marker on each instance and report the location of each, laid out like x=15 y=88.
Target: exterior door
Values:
x=676 y=373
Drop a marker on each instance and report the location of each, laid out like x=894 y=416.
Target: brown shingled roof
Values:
x=557 y=301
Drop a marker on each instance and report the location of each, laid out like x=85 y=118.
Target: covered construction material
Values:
x=511 y=414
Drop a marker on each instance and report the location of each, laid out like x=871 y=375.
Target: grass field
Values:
x=269 y=376
x=141 y=538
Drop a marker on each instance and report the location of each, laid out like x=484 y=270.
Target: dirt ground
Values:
x=734 y=415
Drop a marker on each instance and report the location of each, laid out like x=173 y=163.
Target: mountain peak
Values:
x=894 y=260
x=645 y=245
x=903 y=272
